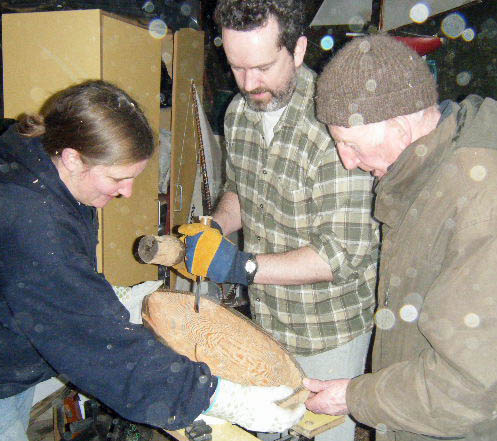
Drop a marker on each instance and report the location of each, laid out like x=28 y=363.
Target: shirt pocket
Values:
x=290 y=216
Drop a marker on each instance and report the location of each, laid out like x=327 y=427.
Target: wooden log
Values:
x=161 y=250
x=232 y=346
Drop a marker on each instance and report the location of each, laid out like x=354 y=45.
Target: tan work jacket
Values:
x=435 y=351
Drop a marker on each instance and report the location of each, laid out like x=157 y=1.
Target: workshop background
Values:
x=465 y=63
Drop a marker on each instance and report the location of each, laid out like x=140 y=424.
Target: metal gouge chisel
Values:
x=169 y=251
x=205 y=220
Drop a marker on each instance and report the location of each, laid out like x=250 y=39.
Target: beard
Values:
x=279 y=98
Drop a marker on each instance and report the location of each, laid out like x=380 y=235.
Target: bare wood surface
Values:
x=162 y=250
x=231 y=345
x=42 y=406
x=220 y=432
x=313 y=424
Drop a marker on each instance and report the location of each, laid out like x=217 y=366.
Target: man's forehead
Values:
x=341 y=130
x=252 y=54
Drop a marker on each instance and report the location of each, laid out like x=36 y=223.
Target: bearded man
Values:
x=310 y=243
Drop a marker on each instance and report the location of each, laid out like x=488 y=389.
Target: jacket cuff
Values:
x=358 y=399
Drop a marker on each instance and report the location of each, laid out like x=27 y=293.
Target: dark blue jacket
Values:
x=59 y=316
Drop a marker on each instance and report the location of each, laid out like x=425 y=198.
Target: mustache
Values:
x=255 y=91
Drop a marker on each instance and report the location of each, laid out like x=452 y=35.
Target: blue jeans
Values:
x=14 y=415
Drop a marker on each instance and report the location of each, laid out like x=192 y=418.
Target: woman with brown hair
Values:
x=58 y=315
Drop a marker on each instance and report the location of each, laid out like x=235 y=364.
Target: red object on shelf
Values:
x=422 y=45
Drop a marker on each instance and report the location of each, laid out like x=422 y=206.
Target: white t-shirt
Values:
x=269 y=120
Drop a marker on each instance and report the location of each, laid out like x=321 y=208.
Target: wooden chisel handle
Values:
x=162 y=250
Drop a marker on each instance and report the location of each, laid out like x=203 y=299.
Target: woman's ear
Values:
x=71 y=159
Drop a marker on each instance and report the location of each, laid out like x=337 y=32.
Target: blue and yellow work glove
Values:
x=181 y=267
x=209 y=254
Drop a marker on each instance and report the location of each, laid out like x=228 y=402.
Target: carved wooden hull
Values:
x=232 y=346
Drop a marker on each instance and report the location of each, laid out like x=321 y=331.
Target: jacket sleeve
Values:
x=74 y=320
x=343 y=232
x=450 y=388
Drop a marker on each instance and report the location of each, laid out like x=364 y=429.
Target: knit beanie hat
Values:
x=373 y=79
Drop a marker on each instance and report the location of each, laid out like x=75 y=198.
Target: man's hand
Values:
x=210 y=254
x=254 y=407
x=328 y=396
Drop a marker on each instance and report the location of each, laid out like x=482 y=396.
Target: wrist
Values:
x=251 y=267
x=214 y=396
x=238 y=272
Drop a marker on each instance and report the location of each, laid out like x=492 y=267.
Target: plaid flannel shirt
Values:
x=294 y=193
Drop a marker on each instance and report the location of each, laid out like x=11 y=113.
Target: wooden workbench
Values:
x=220 y=432
x=310 y=426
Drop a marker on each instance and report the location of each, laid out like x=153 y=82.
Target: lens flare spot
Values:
x=186 y=9
x=356 y=119
x=365 y=47
x=408 y=313
x=463 y=78
x=468 y=34
x=384 y=319
x=419 y=13
x=453 y=25
x=472 y=320
x=327 y=42
x=421 y=150
x=395 y=281
x=371 y=85
x=381 y=428
x=157 y=28
x=478 y=173
x=357 y=23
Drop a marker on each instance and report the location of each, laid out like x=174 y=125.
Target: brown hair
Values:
x=99 y=120
x=246 y=15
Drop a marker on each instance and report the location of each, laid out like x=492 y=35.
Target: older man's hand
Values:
x=328 y=396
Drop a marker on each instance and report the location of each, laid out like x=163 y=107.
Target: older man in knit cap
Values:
x=435 y=354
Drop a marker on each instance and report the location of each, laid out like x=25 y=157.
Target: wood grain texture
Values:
x=231 y=345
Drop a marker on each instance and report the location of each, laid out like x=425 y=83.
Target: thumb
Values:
x=314 y=385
